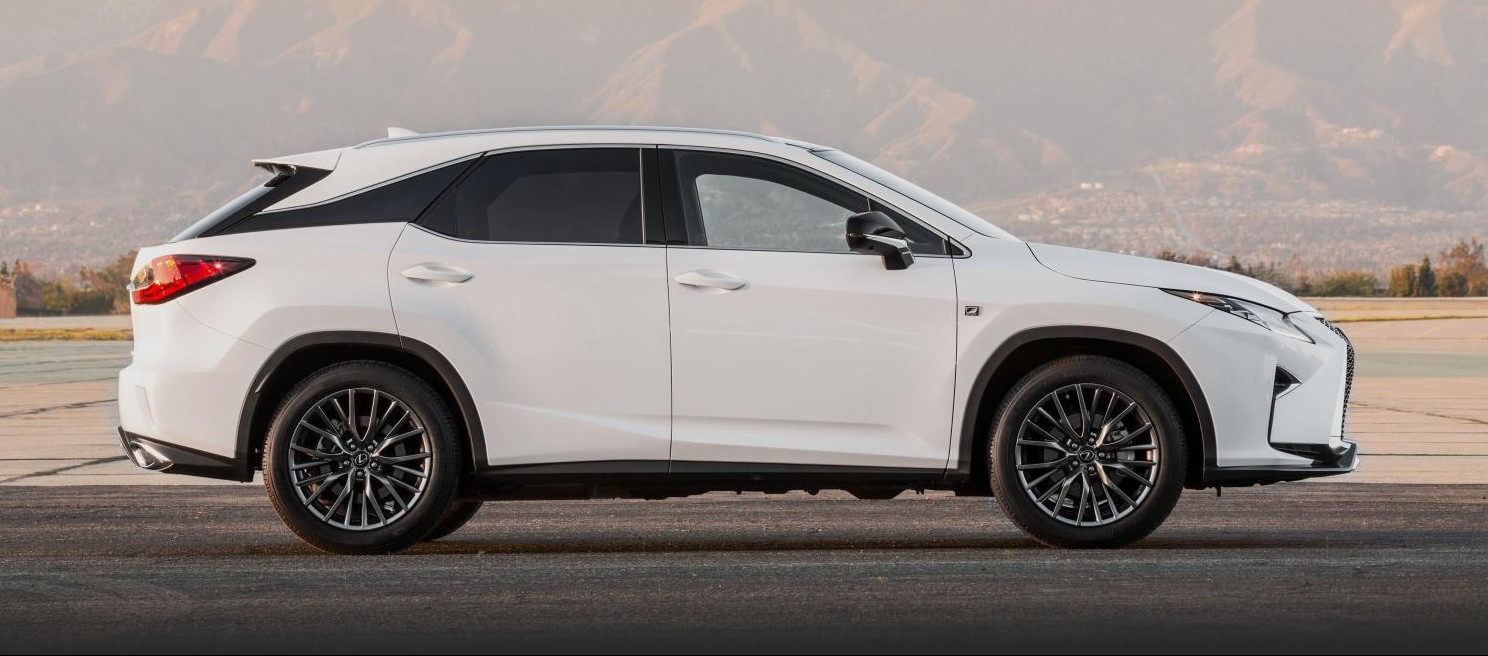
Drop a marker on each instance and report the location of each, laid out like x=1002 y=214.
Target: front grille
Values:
x=1348 y=376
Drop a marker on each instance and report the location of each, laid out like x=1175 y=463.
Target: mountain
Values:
x=122 y=121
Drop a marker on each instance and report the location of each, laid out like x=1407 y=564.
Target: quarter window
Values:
x=397 y=201
x=589 y=196
x=742 y=202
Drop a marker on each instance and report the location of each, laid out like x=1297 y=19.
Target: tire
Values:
x=378 y=489
x=1055 y=489
x=458 y=514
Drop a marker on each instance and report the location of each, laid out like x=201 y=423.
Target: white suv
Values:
x=396 y=331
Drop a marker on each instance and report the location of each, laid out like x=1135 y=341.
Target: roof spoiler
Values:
x=324 y=160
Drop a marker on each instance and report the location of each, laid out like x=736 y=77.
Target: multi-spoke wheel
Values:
x=359 y=459
x=1088 y=451
x=362 y=457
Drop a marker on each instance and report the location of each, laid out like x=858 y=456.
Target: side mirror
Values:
x=875 y=232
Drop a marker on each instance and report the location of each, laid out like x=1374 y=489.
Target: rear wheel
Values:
x=1088 y=452
x=362 y=457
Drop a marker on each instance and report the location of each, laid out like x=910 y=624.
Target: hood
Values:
x=1147 y=272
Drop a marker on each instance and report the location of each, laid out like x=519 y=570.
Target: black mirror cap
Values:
x=871 y=223
x=875 y=232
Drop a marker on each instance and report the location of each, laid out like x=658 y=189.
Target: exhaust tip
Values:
x=142 y=454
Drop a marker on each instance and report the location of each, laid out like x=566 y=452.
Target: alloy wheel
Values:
x=1087 y=455
x=359 y=459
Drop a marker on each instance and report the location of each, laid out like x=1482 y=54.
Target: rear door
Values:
x=533 y=276
x=787 y=348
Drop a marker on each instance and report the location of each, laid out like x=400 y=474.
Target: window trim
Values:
x=649 y=215
x=384 y=183
x=673 y=204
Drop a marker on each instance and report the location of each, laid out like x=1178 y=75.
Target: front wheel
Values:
x=1088 y=452
x=362 y=457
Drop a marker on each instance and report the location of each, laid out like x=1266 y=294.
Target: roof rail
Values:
x=413 y=136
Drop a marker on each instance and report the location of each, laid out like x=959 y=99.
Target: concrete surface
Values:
x=1420 y=408
x=96 y=555
x=1317 y=568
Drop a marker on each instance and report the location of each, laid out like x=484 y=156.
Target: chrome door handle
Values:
x=711 y=279
x=437 y=273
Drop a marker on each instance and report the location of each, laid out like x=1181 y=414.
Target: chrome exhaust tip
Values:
x=142 y=454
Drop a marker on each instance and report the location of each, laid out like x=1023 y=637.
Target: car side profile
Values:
x=397 y=331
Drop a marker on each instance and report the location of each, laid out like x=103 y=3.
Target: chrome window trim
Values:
x=530 y=243
x=965 y=252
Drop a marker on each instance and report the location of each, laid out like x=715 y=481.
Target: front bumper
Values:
x=1260 y=423
x=1333 y=464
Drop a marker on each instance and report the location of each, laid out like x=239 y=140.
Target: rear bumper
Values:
x=1341 y=462
x=155 y=455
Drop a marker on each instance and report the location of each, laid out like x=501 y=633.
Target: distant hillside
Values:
x=123 y=121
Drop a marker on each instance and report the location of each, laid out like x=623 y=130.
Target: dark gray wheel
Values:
x=362 y=457
x=1088 y=452
x=458 y=514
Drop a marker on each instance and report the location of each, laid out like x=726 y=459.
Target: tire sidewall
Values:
x=439 y=490
x=1027 y=393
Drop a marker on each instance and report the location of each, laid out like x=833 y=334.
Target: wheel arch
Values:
x=305 y=354
x=1026 y=350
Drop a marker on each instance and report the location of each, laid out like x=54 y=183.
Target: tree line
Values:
x=1459 y=271
x=90 y=291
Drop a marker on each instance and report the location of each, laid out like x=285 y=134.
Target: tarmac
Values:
x=1419 y=408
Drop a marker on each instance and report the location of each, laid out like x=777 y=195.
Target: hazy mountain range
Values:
x=1350 y=132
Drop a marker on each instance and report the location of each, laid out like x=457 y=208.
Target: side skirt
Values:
x=656 y=479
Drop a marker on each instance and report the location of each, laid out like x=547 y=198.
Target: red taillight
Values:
x=169 y=276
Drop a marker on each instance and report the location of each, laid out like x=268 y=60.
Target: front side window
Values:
x=578 y=196
x=741 y=202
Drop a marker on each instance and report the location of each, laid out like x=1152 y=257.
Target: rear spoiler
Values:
x=324 y=160
x=292 y=173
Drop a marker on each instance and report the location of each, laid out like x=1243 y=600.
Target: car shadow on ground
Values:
x=640 y=545
x=1324 y=540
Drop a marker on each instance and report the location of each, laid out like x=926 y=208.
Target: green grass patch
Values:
x=1403 y=317
x=66 y=334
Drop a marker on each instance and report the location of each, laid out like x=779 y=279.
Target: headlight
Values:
x=1257 y=314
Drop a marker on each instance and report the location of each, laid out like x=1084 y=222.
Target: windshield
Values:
x=914 y=192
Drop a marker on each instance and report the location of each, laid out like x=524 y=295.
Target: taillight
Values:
x=169 y=276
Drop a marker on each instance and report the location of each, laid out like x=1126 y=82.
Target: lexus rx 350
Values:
x=396 y=331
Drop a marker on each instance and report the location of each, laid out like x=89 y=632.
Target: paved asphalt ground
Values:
x=1357 y=568
x=98 y=556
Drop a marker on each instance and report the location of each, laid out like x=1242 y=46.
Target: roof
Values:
x=575 y=128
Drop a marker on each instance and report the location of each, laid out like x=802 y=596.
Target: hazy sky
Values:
x=135 y=117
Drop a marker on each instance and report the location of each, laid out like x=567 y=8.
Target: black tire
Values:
x=1056 y=524
x=458 y=514
x=359 y=462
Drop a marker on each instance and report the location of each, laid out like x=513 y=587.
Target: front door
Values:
x=534 y=279
x=786 y=346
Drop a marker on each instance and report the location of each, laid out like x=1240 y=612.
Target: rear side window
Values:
x=399 y=200
x=575 y=196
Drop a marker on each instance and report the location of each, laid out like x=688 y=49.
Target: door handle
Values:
x=711 y=279
x=437 y=273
